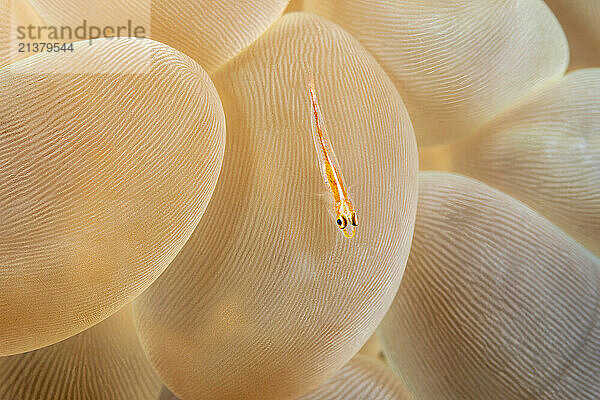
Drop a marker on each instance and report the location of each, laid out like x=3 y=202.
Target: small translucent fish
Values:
x=345 y=214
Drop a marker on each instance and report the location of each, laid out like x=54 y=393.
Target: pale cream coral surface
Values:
x=514 y=305
x=109 y=157
x=279 y=285
x=210 y=31
x=103 y=178
x=105 y=361
x=456 y=64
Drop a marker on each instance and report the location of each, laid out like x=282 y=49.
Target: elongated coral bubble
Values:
x=209 y=31
x=456 y=64
x=362 y=379
x=546 y=152
x=268 y=299
x=108 y=157
x=496 y=302
x=103 y=362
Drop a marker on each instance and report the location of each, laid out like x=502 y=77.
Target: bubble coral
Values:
x=278 y=285
x=103 y=177
x=105 y=361
x=362 y=378
x=266 y=299
x=515 y=306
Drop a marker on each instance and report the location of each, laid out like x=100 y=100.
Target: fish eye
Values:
x=342 y=222
x=353 y=219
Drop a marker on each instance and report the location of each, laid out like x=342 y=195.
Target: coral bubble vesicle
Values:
x=268 y=299
x=103 y=362
x=581 y=21
x=108 y=157
x=363 y=378
x=496 y=301
x=456 y=64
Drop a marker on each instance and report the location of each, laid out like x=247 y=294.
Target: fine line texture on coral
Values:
x=496 y=301
x=103 y=177
x=455 y=64
x=546 y=152
x=103 y=362
x=267 y=278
